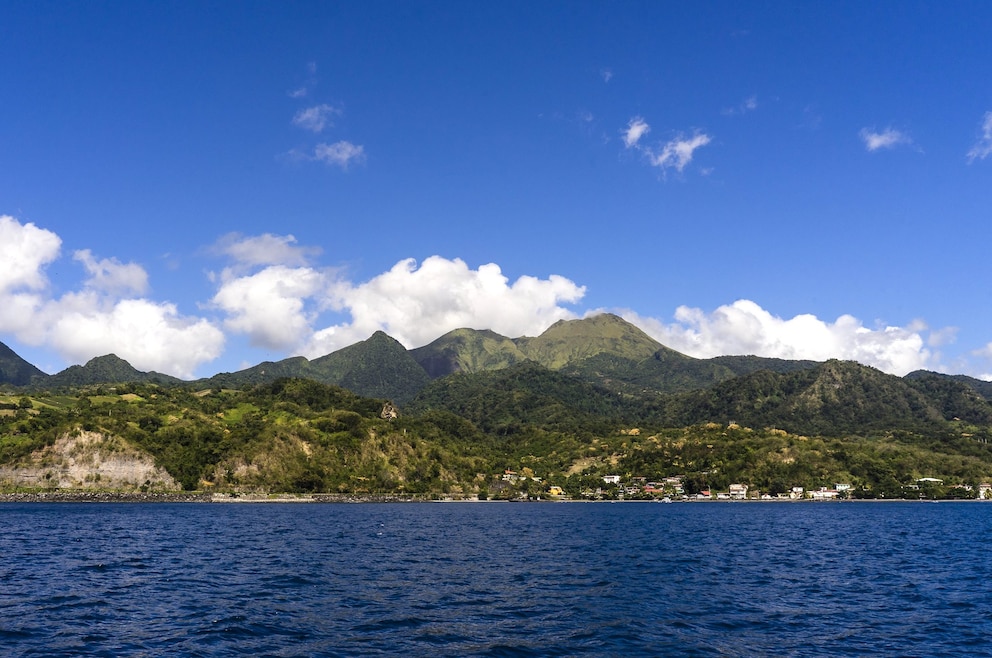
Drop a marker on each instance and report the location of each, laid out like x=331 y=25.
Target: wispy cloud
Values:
x=749 y=104
x=340 y=154
x=265 y=249
x=674 y=154
x=983 y=147
x=316 y=118
x=886 y=139
x=606 y=74
x=678 y=152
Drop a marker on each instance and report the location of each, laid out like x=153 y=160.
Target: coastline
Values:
x=226 y=498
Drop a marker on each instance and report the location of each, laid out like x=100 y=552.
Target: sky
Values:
x=198 y=187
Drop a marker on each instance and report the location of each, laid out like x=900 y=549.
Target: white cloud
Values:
x=983 y=147
x=148 y=335
x=606 y=74
x=749 y=104
x=678 y=152
x=94 y=321
x=111 y=276
x=636 y=128
x=675 y=154
x=416 y=305
x=887 y=139
x=340 y=153
x=265 y=249
x=25 y=250
x=745 y=328
x=316 y=118
x=270 y=306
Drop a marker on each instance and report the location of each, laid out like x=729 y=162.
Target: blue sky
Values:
x=198 y=187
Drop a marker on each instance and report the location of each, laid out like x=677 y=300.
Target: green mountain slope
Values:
x=467 y=350
x=378 y=367
x=835 y=398
x=107 y=369
x=16 y=371
x=982 y=387
x=570 y=341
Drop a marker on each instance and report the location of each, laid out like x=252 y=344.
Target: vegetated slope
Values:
x=745 y=365
x=379 y=367
x=526 y=394
x=263 y=373
x=291 y=435
x=467 y=350
x=982 y=387
x=107 y=369
x=571 y=341
x=16 y=371
x=833 y=399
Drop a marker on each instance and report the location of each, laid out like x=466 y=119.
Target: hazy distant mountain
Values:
x=16 y=371
x=108 y=369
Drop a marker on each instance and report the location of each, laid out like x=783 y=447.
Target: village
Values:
x=525 y=485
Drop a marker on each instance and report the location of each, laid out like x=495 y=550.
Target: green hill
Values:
x=378 y=367
x=107 y=369
x=467 y=350
x=16 y=371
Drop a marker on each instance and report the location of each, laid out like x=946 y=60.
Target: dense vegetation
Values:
x=585 y=399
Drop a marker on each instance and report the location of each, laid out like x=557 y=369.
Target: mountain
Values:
x=16 y=371
x=379 y=367
x=108 y=369
x=568 y=342
x=834 y=398
x=467 y=350
x=982 y=387
x=263 y=373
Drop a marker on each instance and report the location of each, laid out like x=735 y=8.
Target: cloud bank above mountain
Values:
x=274 y=293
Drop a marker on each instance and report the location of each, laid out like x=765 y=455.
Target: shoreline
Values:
x=226 y=498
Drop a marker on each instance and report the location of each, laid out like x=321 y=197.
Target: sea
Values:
x=496 y=579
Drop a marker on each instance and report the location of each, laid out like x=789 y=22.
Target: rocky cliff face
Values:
x=89 y=460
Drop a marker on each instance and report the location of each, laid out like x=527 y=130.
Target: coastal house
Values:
x=985 y=491
x=797 y=492
x=824 y=494
x=738 y=491
x=611 y=479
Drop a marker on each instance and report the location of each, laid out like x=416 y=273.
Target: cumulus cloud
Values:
x=887 y=139
x=111 y=276
x=100 y=318
x=270 y=306
x=983 y=147
x=675 y=154
x=745 y=328
x=415 y=304
x=265 y=249
x=147 y=334
x=25 y=250
x=340 y=154
x=316 y=118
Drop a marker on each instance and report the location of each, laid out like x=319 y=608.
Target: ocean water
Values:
x=496 y=579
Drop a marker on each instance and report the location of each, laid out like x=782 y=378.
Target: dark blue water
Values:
x=807 y=579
